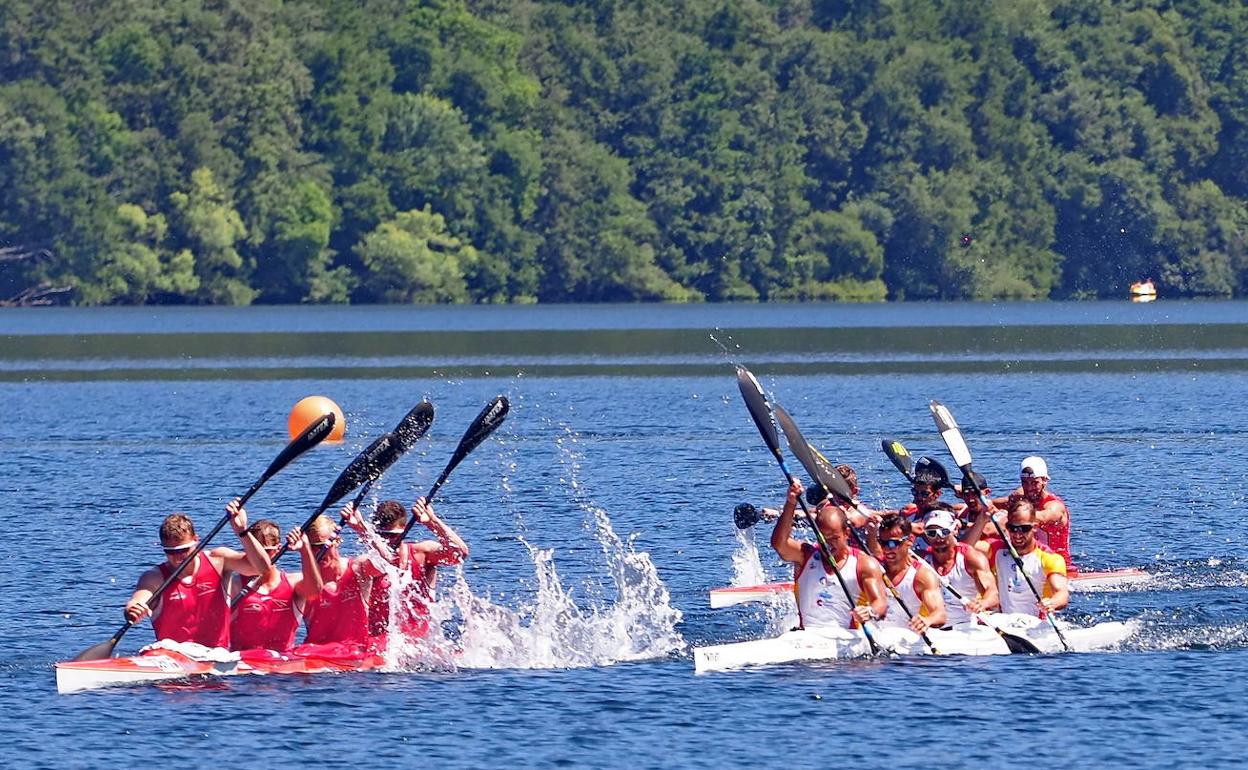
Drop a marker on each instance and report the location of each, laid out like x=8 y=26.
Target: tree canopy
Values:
x=185 y=151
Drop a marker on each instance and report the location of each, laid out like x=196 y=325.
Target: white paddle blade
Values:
x=952 y=436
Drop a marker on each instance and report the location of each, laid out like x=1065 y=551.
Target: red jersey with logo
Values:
x=194 y=608
x=266 y=621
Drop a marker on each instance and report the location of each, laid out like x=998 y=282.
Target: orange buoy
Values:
x=311 y=408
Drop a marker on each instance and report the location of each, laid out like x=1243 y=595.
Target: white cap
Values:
x=1035 y=466
x=941 y=518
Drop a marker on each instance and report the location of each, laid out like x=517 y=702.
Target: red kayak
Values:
x=166 y=661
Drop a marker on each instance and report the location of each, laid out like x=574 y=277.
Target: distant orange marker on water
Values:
x=312 y=408
x=1143 y=291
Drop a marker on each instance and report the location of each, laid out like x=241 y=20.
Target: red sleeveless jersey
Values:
x=265 y=621
x=194 y=609
x=414 y=624
x=338 y=613
x=1057 y=535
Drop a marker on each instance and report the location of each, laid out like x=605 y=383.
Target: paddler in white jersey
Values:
x=821 y=602
x=916 y=582
x=963 y=571
x=1046 y=569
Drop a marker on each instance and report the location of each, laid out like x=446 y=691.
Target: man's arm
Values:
x=781 y=536
x=871 y=578
x=1055 y=580
x=981 y=572
x=927 y=586
x=254 y=561
x=1054 y=512
x=309 y=583
x=137 y=608
x=450 y=547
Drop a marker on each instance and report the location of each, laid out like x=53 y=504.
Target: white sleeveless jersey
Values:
x=820 y=599
x=961 y=580
x=896 y=617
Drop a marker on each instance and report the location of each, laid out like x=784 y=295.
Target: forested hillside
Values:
x=238 y=151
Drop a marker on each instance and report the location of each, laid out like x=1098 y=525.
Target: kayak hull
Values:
x=728 y=596
x=168 y=661
x=842 y=644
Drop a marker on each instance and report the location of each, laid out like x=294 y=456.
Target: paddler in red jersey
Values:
x=916 y=582
x=821 y=602
x=336 y=614
x=1045 y=568
x=420 y=560
x=1051 y=511
x=194 y=608
x=267 y=618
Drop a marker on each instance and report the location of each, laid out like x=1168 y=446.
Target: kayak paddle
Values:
x=761 y=412
x=953 y=439
x=485 y=423
x=310 y=437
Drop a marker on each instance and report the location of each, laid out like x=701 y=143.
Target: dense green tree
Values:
x=623 y=150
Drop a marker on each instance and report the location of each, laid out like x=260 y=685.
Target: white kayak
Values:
x=730 y=595
x=839 y=644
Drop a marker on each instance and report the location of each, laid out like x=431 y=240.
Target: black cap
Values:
x=815 y=494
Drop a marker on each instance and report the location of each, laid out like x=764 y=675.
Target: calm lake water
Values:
x=600 y=516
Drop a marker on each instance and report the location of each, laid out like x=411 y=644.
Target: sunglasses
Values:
x=178 y=549
x=893 y=542
x=1020 y=529
x=937 y=532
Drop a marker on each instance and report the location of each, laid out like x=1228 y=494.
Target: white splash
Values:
x=553 y=630
x=777 y=611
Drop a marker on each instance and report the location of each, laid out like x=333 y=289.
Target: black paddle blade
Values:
x=486 y=422
x=1018 y=645
x=745 y=516
x=99 y=651
x=760 y=411
x=367 y=465
x=312 y=435
x=824 y=474
x=899 y=456
x=415 y=425
x=929 y=471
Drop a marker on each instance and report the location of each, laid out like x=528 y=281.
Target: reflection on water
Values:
x=208 y=354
